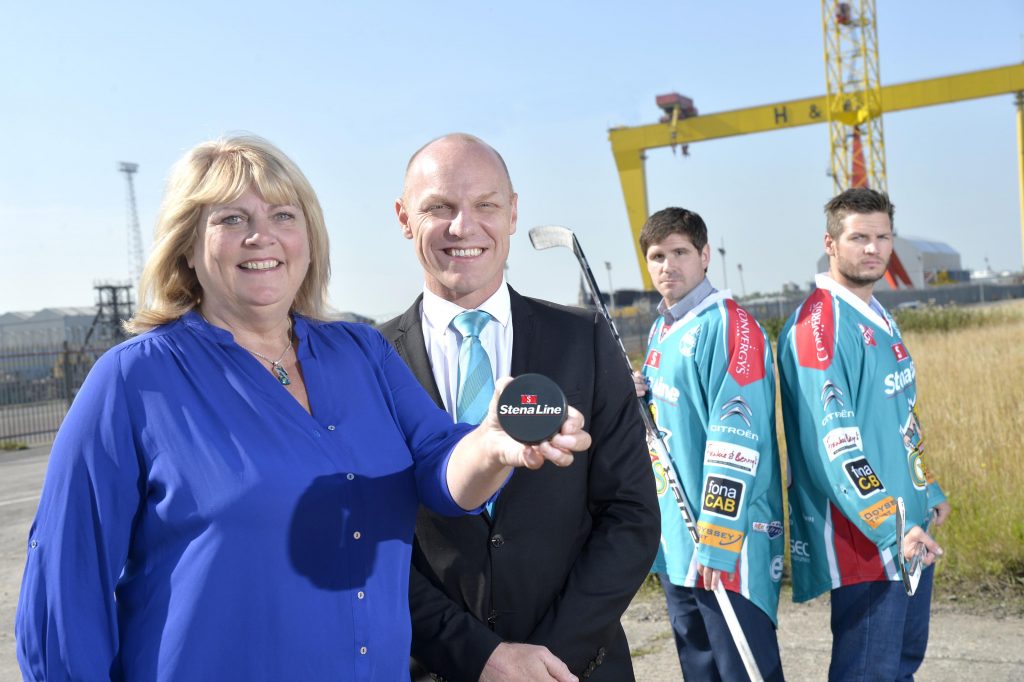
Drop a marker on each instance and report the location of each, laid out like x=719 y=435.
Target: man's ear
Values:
x=403 y=218
x=514 y=203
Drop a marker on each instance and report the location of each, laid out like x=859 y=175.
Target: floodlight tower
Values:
x=134 y=231
x=854 y=94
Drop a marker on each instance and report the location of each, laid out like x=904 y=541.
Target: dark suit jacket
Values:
x=567 y=548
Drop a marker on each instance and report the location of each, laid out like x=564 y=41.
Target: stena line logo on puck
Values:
x=527 y=399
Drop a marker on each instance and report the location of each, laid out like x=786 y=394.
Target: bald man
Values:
x=534 y=588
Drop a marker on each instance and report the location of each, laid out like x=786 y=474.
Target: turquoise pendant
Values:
x=282 y=374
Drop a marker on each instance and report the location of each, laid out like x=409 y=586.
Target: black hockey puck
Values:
x=532 y=408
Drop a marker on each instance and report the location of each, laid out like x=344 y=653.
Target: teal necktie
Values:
x=476 y=379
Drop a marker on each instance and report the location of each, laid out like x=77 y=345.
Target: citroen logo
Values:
x=831 y=393
x=736 y=407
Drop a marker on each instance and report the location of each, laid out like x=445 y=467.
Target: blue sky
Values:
x=349 y=90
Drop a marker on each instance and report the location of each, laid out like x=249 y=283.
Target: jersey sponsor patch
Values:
x=775 y=568
x=918 y=474
x=653 y=359
x=877 y=513
x=746 y=346
x=831 y=396
x=815 y=331
x=900 y=351
x=868 y=334
x=772 y=529
x=665 y=391
x=863 y=477
x=688 y=344
x=721 y=453
x=840 y=441
x=723 y=496
x=720 y=537
x=900 y=380
x=736 y=407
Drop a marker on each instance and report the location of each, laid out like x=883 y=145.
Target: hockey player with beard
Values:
x=712 y=394
x=849 y=400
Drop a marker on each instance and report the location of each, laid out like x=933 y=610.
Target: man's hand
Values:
x=918 y=542
x=711 y=576
x=639 y=384
x=942 y=510
x=515 y=662
x=558 y=449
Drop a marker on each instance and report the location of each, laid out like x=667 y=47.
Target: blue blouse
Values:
x=196 y=523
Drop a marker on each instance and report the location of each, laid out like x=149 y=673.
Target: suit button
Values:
x=493 y=617
x=497 y=541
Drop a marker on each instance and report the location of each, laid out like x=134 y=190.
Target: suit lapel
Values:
x=412 y=348
x=522 y=333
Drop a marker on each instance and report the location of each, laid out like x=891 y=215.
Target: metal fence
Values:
x=37 y=385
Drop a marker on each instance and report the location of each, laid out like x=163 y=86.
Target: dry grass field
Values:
x=971 y=399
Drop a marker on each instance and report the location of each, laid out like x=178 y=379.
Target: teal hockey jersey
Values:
x=849 y=402
x=712 y=395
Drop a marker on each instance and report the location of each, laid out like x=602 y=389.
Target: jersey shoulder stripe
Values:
x=746 y=345
x=815 y=331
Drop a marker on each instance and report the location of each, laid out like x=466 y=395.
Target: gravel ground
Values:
x=964 y=642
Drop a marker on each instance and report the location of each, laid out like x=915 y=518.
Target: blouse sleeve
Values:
x=66 y=625
x=428 y=431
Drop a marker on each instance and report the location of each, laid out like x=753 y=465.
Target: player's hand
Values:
x=711 y=576
x=515 y=662
x=918 y=542
x=942 y=510
x=639 y=384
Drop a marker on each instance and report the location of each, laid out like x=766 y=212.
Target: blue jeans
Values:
x=878 y=632
x=705 y=647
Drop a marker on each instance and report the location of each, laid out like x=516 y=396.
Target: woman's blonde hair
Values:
x=219 y=172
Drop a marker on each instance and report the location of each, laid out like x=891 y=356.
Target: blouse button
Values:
x=33 y=544
x=362 y=649
x=350 y=476
x=361 y=594
x=357 y=535
x=330 y=427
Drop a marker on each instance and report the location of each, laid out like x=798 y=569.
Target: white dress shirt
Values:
x=442 y=342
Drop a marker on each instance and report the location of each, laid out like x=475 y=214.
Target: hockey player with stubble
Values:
x=710 y=380
x=849 y=400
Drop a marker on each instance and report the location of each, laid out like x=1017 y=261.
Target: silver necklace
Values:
x=279 y=370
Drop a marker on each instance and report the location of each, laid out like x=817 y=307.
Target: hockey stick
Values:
x=910 y=571
x=548 y=236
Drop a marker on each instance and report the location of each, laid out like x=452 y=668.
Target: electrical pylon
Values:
x=134 y=231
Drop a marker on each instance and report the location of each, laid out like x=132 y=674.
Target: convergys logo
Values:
x=815 y=331
x=746 y=346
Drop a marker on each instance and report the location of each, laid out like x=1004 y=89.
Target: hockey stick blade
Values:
x=547 y=236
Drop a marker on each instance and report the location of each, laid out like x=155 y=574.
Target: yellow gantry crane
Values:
x=630 y=144
x=853 y=90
